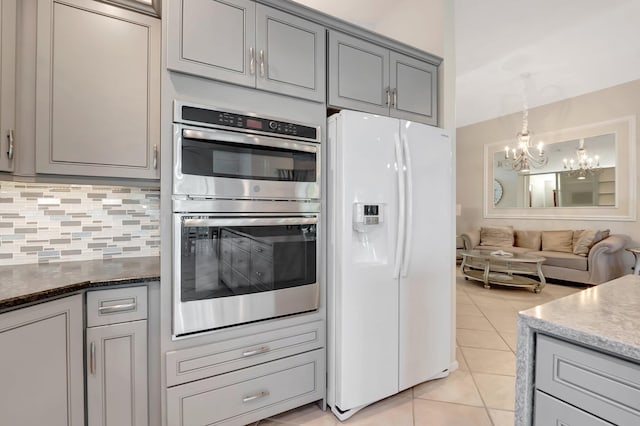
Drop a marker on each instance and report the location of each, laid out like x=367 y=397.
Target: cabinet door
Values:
x=117 y=374
x=290 y=54
x=414 y=89
x=41 y=364
x=98 y=89
x=213 y=39
x=358 y=74
x=7 y=82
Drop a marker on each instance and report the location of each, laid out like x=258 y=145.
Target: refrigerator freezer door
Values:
x=362 y=288
x=427 y=275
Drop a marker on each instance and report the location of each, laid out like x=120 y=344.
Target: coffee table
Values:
x=516 y=270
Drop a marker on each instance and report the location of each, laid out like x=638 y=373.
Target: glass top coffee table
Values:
x=505 y=268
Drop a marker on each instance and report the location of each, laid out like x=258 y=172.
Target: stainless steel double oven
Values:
x=246 y=213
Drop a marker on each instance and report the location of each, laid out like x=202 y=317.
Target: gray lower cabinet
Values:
x=98 y=90
x=249 y=44
x=116 y=350
x=250 y=394
x=367 y=77
x=552 y=411
x=7 y=83
x=247 y=378
x=41 y=364
x=587 y=381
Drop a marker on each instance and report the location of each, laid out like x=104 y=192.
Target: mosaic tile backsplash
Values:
x=42 y=223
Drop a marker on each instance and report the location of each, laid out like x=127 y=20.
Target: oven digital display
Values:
x=254 y=124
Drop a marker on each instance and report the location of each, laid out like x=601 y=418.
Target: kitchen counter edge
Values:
x=27 y=284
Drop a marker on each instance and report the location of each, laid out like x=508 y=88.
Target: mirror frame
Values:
x=625 y=187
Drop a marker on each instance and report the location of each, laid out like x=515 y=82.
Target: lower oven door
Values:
x=232 y=270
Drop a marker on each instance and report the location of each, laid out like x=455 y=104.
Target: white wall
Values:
x=418 y=23
x=608 y=104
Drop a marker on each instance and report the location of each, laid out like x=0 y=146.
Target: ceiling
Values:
x=511 y=53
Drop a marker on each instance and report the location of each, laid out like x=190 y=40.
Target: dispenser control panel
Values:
x=366 y=215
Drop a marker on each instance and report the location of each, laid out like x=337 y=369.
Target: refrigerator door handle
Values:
x=401 y=208
x=409 y=206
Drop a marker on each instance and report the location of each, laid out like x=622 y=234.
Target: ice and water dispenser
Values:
x=370 y=232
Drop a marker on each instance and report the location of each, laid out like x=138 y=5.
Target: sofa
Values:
x=581 y=256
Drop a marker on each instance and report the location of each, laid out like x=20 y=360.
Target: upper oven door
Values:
x=224 y=164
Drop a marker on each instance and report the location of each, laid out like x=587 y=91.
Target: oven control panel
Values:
x=253 y=124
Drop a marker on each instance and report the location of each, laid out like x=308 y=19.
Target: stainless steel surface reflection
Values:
x=232 y=269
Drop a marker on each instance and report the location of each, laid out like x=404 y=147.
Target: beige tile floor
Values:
x=480 y=392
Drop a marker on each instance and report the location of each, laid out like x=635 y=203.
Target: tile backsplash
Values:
x=42 y=223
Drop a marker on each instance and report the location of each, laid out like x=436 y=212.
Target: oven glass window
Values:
x=229 y=261
x=233 y=160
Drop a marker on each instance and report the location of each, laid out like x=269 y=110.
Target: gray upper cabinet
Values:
x=41 y=364
x=98 y=90
x=213 y=39
x=371 y=78
x=414 y=89
x=7 y=83
x=290 y=55
x=252 y=45
x=358 y=74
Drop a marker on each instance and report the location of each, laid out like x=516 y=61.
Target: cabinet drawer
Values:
x=240 y=261
x=265 y=250
x=551 y=411
x=242 y=243
x=250 y=394
x=116 y=305
x=200 y=362
x=261 y=271
x=601 y=384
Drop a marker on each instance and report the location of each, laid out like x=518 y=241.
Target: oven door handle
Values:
x=222 y=136
x=208 y=222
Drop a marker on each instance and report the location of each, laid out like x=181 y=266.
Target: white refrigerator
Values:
x=390 y=257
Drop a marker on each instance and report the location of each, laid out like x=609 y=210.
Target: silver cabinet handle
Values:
x=117 y=308
x=261 y=63
x=395 y=98
x=259 y=250
x=252 y=61
x=259 y=274
x=388 y=97
x=258 y=351
x=10 y=147
x=155 y=156
x=92 y=358
x=256 y=396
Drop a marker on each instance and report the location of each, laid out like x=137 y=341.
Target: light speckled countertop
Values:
x=22 y=284
x=606 y=316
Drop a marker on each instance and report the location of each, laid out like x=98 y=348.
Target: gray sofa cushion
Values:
x=564 y=260
x=557 y=241
x=528 y=239
x=501 y=236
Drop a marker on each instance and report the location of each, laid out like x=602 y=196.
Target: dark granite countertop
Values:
x=23 y=284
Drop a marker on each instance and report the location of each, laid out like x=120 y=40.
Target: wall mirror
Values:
x=604 y=189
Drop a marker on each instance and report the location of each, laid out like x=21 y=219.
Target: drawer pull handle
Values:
x=256 y=396
x=92 y=359
x=259 y=250
x=259 y=274
x=117 y=308
x=253 y=352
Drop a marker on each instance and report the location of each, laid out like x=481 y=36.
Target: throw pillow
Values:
x=576 y=236
x=601 y=235
x=528 y=239
x=557 y=241
x=585 y=242
x=500 y=236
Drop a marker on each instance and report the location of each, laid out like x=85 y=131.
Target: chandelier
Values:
x=522 y=157
x=585 y=164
